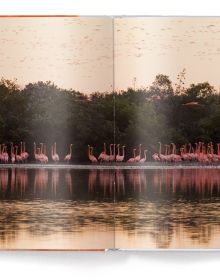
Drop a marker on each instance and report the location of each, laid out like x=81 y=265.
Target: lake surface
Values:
x=96 y=209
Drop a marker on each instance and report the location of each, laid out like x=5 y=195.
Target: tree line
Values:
x=43 y=112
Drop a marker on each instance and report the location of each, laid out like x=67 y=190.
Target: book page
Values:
x=167 y=121
x=57 y=111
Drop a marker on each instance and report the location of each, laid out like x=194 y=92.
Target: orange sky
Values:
x=77 y=52
x=71 y=52
x=146 y=46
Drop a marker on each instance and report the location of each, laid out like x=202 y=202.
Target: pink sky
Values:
x=78 y=52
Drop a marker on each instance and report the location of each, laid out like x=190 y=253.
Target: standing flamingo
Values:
x=106 y=157
x=35 y=152
x=145 y=157
x=45 y=158
x=1 y=157
x=138 y=158
x=41 y=154
x=12 y=154
x=102 y=155
x=68 y=157
x=121 y=158
x=118 y=153
x=132 y=159
x=5 y=156
x=25 y=154
x=17 y=157
x=92 y=158
x=54 y=156
x=161 y=156
x=112 y=154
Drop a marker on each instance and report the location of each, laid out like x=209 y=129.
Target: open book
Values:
x=109 y=132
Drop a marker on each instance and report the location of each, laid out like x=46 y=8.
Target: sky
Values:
x=77 y=52
x=72 y=52
x=145 y=47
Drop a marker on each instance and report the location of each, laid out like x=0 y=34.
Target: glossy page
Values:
x=167 y=116
x=57 y=110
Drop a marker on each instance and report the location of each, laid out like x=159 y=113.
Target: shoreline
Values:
x=149 y=166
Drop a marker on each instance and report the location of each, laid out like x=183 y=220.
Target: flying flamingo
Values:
x=145 y=157
x=132 y=159
x=68 y=157
x=92 y=158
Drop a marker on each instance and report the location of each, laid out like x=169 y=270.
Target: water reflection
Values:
x=61 y=208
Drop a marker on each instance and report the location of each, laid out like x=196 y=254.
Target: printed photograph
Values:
x=167 y=117
x=109 y=133
x=56 y=99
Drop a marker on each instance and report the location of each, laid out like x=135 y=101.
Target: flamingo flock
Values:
x=18 y=153
x=114 y=156
x=115 y=153
x=167 y=153
x=188 y=153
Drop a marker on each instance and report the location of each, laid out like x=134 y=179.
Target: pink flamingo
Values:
x=106 y=157
x=161 y=156
x=112 y=155
x=1 y=157
x=68 y=157
x=35 y=153
x=12 y=154
x=144 y=158
x=17 y=157
x=25 y=154
x=156 y=157
x=102 y=155
x=138 y=158
x=174 y=156
x=218 y=150
x=92 y=158
x=54 y=156
x=5 y=156
x=132 y=159
x=167 y=153
x=45 y=158
x=118 y=153
x=121 y=158
x=41 y=154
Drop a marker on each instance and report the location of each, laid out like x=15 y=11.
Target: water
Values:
x=96 y=209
